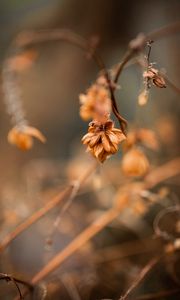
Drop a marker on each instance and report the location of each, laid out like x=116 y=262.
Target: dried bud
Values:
x=135 y=163
x=157 y=79
x=22 y=136
x=148 y=138
x=102 y=139
x=143 y=97
x=144 y=136
x=96 y=104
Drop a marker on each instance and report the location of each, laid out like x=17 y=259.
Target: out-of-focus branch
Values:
x=138 y=44
x=68 y=193
x=35 y=217
x=99 y=224
x=141 y=276
x=162 y=173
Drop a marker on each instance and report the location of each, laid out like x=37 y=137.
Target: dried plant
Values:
x=128 y=200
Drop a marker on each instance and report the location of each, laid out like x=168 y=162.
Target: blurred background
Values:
x=50 y=89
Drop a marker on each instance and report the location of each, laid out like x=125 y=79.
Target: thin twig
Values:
x=30 y=38
x=158 y=295
x=35 y=217
x=94 y=228
x=171 y=84
x=76 y=244
x=15 y=280
x=141 y=62
x=127 y=249
x=162 y=173
x=67 y=192
x=141 y=276
x=156 y=224
x=137 y=45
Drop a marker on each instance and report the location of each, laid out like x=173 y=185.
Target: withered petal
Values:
x=98 y=149
x=34 y=132
x=121 y=137
x=112 y=136
x=87 y=137
x=105 y=142
x=94 y=140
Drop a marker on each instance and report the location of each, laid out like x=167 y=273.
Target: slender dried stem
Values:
x=30 y=38
x=15 y=280
x=69 y=192
x=162 y=173
x=76 y=244
x=93 y=229
x=141 y=276
x=97 y=226
x=35 y=217
x=137 y=45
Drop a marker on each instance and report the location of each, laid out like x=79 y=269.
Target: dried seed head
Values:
x=148 y=138
x=135 y=163
x=96 y=103
x=157 y=79
x=143 y=136
x=22 y=136
x=102 y=139
x=143 y=97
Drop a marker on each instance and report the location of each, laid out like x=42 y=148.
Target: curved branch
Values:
x=137 y=45
x=68 y=193
x=30 y=38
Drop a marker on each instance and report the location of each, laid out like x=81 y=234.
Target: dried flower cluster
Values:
x=103 y=138
x=153 y=75
x=134 y=162
x=22 y=136
x=96 y=103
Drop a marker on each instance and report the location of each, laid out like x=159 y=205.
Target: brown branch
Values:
x=94 y=228
x=70 y=191
x=76 y=244
x=128 y=249
x=30 y=38
x=162 y=173
x=137 y=45
x=35 y=217
x=170 y=83
x=164 y=31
